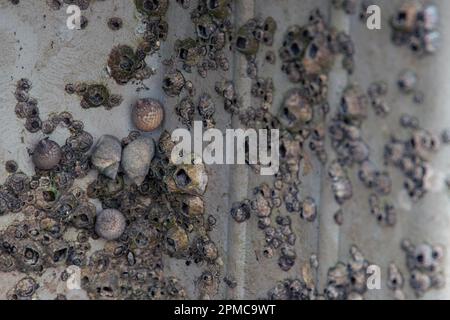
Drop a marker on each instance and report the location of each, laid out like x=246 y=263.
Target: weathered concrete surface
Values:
x=36 y=44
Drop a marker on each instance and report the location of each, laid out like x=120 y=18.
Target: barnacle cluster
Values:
x=348 y=280
x=94 y=95
x=415 y=25
x=292 y=289
x=125 y=63
x=164 y=210
x=424 y=263
x=345 y=281
x=212 y=23
x=307 y=54
x=346 y=137
x=411 y=156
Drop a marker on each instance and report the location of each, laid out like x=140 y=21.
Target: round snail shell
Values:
x=147 y=114
x=46 y=154
x=110 y=224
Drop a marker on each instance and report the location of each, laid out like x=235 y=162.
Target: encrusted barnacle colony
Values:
x=95 y=95
x=246 y=41
x=424 y=263
x=173 y=82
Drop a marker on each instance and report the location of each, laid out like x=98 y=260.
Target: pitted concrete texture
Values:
x=36 y=44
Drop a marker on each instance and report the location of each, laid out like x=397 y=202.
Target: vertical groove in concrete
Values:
x=328 y=239
x=237 y=232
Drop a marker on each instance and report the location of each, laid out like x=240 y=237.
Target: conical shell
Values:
x=106 y=156
x=136 y=158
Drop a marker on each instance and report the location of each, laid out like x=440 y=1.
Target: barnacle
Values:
x=308 y=209
x=185 y=110
x=240 y=211
x=317 y=57
x=188 y=51
x=173 y=83
x=24 y=289
x=46 y=154
x=96 y=95
x=177 y=241
x=219 y=9
x=205 y=26
x=354 y=104
x=191 y=206
x=123 y=63
x=187 y=178
x=206 y=106
x=246 y=42
x=115 y=23
x=11 y=166
x=83 y=216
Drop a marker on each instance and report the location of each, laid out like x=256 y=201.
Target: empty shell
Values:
x=106 y=156
x=136 y=158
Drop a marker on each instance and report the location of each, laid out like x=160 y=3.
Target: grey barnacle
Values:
x=219 y=9
x=186 y=110
x=123 y=63
x=177 y=241
x=24 y=289
x=354 y=103
x=188 y=51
